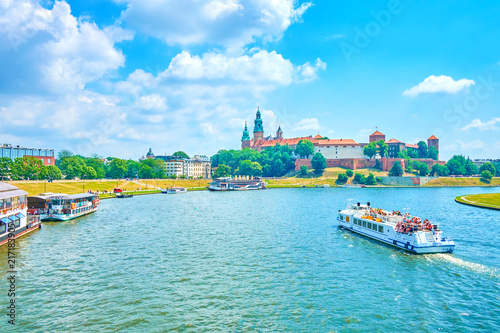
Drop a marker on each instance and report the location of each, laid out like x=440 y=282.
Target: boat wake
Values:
x=471 y=266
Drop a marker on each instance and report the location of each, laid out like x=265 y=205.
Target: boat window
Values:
x=17 y=223
x=347 y=218
x=369 y=225
x=374 y=227
x=3 y=228
x=364 y=223
x=380 y=228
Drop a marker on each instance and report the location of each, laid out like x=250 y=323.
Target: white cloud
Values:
x=262 y=67
x=477 y=144
x=439 y=84
x=308 y=124
x=221 y=22
x=59 y=53
x=151 y=102
x=486 y=126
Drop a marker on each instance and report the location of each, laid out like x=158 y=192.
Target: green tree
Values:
x=88 y=172
x=117 y=168
x=158 y=166
x=180 y=154
x=456 y=165
x=422 y=149
x=27 y=167
x=72 y=167
x=318 y=163
x=497 y=168
x=304 y=170
x=64 y=153
x=396 y=170
x=98 y=165
x=146 y=172
x=439 y=170
x=341 y=179
x=423 y=169
x=359 y=179
x=349 y=173
x=304 y=148
x=53 y=172
x=249 y=168
x=470 y=168
x=383 y=148
x=370 y=180
x=486 y=176
x=370 y=150
x=488 y=166
x=432 y=152
x=222 y=171
x=5 y=165
x=133 y=168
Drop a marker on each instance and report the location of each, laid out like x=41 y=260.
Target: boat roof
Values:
x=46 y=196
x=10 y=191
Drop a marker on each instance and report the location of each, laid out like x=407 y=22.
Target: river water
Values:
x=271 y=260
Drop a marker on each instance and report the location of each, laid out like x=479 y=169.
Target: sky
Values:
x=117 y=77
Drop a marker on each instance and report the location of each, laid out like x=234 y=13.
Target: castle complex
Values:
x=338 y=152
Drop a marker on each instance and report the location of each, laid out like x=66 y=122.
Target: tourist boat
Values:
x=122 y=195
x=174 y=190
x=63 y=207
x=396 y=229
x=15 y=221
x=229 y=184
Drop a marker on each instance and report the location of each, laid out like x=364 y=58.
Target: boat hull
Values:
x=64 y=217
x=403 y=245
x=19 y=232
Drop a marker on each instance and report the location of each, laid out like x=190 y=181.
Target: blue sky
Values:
x=117 y=77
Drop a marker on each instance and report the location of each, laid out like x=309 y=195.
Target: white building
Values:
x=174 y=168
x=340 y=149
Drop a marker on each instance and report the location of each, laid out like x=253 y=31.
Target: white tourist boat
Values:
x=174 y=190
x=229 y=184
x=63 y=207
x=403 y=231
x=15 y=219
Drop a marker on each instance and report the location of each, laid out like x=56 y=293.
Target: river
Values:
x=271 y=260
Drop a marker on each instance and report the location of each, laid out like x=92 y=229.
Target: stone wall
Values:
x=406 y=181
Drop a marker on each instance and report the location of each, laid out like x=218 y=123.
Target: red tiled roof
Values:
x=433 y=138
x=411 y=146
x=339 y=142
x=377 y=133
x=393 y=141
x=318 y=136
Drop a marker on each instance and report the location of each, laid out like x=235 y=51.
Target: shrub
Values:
x=359 y=179
x=342 y=179
x=303 y=170
x=486 y=176
x=349 y=173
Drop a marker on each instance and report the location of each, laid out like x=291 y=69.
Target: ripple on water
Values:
x=257 y=261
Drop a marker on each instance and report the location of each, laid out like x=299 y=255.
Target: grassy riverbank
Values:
x=490 y=200
x=462 y=181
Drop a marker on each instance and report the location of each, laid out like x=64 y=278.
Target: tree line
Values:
x=70 y=166
x=271 y=162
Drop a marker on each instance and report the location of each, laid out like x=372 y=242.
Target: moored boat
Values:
x=122 y=195
x=174 y=190
x=15 y=221
x=63 y=207
x=403 y=231
x=229 y=184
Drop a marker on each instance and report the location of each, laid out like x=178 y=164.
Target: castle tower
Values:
x=433 y=142
x=258 y=130
x=279 y=133
x=245 y=139
x=376 y=136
